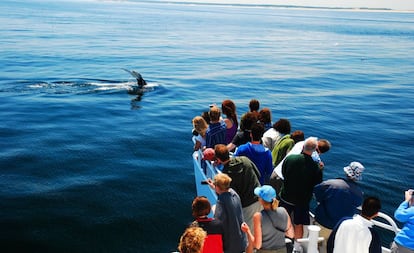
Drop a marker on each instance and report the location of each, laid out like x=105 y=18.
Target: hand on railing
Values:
x=211 y=183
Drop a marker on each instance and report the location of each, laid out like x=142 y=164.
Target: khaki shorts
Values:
x=249 y=211
x=396 y=248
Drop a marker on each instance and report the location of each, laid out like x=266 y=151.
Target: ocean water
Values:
x=87 y=167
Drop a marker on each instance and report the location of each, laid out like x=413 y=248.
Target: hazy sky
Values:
x=390 y=4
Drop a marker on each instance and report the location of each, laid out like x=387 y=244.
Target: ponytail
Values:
x=275 y=204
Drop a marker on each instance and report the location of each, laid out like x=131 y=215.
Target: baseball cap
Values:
x=265 y=192
x=209 y=154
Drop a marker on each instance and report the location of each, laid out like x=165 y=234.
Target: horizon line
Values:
x=255 y=4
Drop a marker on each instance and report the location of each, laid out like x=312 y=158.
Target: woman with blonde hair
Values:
x=192 y=240
x=271 y=226
x=200 y=127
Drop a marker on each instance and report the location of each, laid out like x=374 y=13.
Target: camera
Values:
x=195 y=132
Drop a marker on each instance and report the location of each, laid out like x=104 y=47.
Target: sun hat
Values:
x=265 y=192
x=354 y=170
x=209 y=154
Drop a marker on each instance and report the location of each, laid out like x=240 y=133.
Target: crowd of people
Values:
x=269 y=175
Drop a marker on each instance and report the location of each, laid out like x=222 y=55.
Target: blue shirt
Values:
x=337 y=198
x=229 y=212
x=216 y=134
x=405 y=214
x=260 y=156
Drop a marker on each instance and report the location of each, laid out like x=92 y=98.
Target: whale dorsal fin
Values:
x=140 y=81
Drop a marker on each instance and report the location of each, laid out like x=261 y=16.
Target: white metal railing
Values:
x=392 y=226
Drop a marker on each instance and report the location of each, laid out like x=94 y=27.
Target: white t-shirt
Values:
x=201 y=140
x=270 y=138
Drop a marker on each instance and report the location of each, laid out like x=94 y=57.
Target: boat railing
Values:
x=204 y=170
x=392 y=225
x=384 y=221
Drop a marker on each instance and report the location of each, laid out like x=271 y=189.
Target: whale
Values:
x=140 y=80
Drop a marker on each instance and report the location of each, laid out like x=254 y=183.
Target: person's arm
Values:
x=245 y=228
x=229 y=123
x=405 y=211
x=290 y=232
x=231 y=146
x=331 y=239
x=266 y=142
x=284 y=169
x=219 y=213
x=257 y=224
x=197 y=145
x=289 y=148
x=375 y=245
x=238 y=152
x=255 y=241
x=318 y=177
x=211 y=183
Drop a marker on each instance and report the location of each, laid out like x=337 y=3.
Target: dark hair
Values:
x=324 y=145
x=206 y=116
x=257 y=131
x=282 y=126
x=297 y=136
x=201 y=206
x=229 y=109
x=248 y=120
x=254 y=105
x=265 y=115
x=370 y=207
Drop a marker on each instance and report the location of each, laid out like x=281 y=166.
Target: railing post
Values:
x=313 y=238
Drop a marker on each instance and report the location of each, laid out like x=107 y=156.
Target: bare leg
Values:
x=298 y=231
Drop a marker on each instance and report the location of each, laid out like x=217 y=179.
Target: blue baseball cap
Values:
x=265 y=192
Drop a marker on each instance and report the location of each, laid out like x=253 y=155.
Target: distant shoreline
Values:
x=259 y=3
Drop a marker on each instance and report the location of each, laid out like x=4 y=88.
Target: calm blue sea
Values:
x=87 y=167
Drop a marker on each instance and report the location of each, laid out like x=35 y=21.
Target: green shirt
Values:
x=244 y=178
x=300 y=174
x=282 y=147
